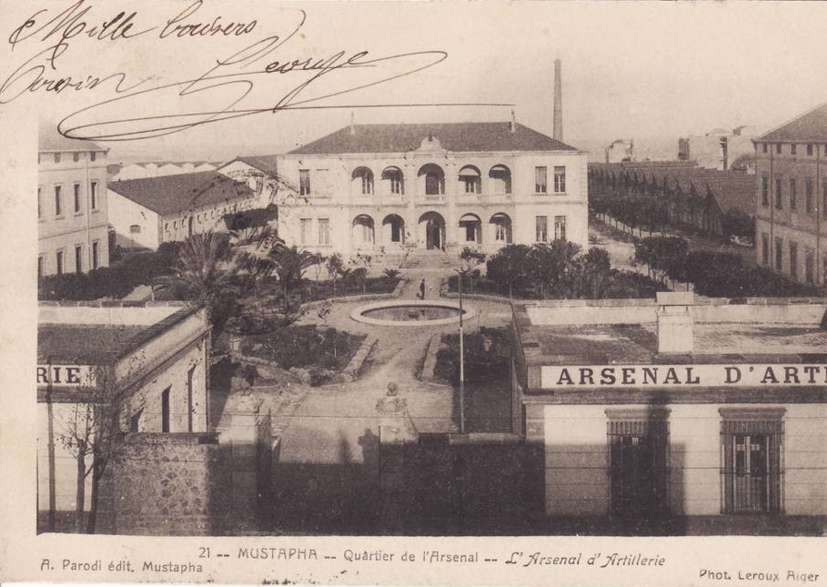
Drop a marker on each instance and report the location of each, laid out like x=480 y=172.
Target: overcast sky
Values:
x=652 y=72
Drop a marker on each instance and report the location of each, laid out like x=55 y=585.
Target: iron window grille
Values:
x=639 y=462
x=752 y=460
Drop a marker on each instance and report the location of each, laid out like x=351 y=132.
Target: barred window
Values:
x=752 y=464
x=638 y=462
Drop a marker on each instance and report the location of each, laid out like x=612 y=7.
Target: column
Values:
x=449 y=168
x=410 y=186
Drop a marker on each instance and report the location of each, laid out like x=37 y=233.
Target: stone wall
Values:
x=192 y=484
x=168 y=484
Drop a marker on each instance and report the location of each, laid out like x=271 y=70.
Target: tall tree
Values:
x=289 y=264
x=597 y=269
x=205 y=273
x=509 y=268
x=470 y=260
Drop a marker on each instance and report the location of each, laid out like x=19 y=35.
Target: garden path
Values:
x=327 y=476
x=328 y=425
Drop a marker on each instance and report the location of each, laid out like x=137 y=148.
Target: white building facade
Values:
x=791 y=198
x=705 y=413
x=153 y=358
x=386 y=188
x=71 y=205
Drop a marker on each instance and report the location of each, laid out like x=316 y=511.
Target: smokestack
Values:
x=512 y=126
x=352 y=123
x=724 y=152
x=557 y=132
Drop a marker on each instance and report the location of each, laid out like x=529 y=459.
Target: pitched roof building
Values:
x=381 y=188
x=791 y=198
x=708 y=193
x=146 y=212
x=147 y=362
x=462 y=137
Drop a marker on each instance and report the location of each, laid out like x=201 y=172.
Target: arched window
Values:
x=363 y=230
x=502 y=228
x=393 y=227
x=500 y=177
x=394 y=180
x=470 y=228
x=470 y=180
x=362 y=179
x=434 y=179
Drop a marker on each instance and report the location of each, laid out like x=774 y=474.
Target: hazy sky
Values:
x=652 y=71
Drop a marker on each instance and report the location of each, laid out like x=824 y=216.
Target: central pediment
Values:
x=429 y=144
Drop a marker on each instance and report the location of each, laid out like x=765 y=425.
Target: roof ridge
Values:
x=790 y=121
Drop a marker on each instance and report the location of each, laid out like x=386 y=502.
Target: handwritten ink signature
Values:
x=239 y=85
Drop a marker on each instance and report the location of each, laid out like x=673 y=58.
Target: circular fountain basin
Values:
x=411 y=313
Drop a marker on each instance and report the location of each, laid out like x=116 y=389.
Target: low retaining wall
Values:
x=357 y=298
x=354 y=367
x=430 y=357
x=358 y=313
x=397 y=291
x=487 y=298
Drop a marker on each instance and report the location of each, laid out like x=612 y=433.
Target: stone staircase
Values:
x=431 y=260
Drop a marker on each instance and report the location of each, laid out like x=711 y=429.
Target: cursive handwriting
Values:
x=259 y=78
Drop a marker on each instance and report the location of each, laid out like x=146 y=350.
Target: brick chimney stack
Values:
x=557 y=131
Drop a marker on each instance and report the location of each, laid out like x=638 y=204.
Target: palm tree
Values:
x=204 y=273
x=289 y=264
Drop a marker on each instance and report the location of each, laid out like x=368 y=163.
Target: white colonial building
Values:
x=385 y=187
x=71 y=204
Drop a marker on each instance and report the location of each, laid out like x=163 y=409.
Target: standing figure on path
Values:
x=422 y=289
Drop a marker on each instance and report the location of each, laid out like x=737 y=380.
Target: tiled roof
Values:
x=161 y=162
x=100 y=344
x=48 y=140
x=84 y=344
x=731 y=189
x=266 y=163
x=811 y=126
x=170 y=194
x=457 y=137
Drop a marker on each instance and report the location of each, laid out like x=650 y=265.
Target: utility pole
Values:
x=51 y=448
x=461 y=362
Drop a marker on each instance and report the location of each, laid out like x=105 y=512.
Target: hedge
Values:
x=114 y=281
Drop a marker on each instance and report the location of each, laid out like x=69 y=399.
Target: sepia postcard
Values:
x=413 y=293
